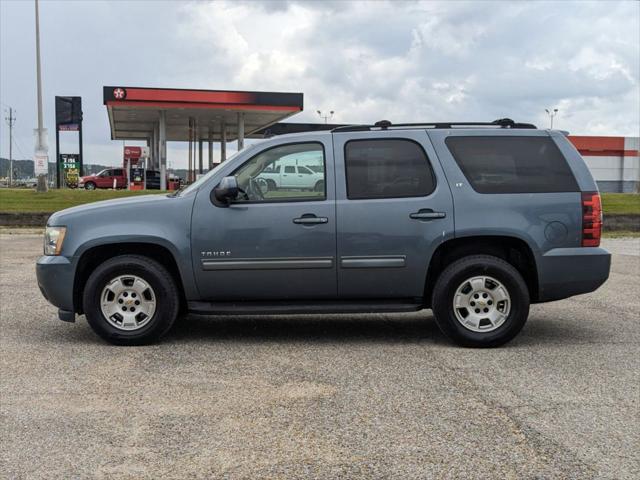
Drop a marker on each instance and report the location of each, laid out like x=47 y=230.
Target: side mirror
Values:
x=226 y=191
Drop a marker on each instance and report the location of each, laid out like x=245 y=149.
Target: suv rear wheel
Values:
x=480 y=301
x=130 y=300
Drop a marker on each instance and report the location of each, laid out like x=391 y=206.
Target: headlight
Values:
x=53 y=238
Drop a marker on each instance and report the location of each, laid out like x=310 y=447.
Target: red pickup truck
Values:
x=104 y=179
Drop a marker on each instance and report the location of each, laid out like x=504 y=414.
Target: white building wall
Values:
x=617 y=173
x=604 y=168
x=632 y=164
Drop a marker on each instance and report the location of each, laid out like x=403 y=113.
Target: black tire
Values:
x=319 y=186
x=453 y=276
x=271 y=185
x=89 y=186
x=163 y=285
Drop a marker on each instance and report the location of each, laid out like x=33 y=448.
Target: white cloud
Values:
x=402 y=61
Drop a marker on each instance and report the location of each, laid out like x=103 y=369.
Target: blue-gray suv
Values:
x=474 y=221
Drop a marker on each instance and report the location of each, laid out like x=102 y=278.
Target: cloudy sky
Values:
x=402 y=61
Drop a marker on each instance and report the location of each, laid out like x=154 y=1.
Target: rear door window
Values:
x=387 y=168
x=511 y=164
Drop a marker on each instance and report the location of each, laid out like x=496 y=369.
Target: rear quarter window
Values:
x=511 y=164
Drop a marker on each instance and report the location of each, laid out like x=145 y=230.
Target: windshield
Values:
x=196 y=185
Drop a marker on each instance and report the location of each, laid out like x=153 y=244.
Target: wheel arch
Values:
x=93 y=256
x=514 y=250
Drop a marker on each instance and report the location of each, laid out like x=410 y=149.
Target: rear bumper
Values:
x=55 y=276
x=564 y=272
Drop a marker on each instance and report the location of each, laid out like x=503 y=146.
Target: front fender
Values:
x=181 y=254
x=155 y=220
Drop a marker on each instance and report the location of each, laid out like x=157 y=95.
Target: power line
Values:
x=26 y=157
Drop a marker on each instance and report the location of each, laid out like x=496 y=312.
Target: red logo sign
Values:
x=132 y=152
x=119 y=93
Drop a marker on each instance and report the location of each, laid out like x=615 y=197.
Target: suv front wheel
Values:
x=480 y=301
x=131 y=300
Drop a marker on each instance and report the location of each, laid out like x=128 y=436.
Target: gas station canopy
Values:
x=161 y=115
x=134 y=112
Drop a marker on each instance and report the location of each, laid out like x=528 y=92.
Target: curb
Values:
x=620 y=221
x=24 y=219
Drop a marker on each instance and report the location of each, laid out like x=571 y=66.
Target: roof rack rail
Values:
x=386 y=124
x=283 y=128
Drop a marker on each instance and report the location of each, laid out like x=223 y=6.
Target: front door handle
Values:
x=426 y=214
x=310 y=219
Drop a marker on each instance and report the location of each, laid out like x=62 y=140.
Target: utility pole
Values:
x=551 y=113
x=11 y=120
x=41 y=147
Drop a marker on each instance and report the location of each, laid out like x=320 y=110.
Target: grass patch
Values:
x=27 y=200
x=623 y=203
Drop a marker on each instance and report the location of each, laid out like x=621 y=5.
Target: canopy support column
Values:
x=162 y=139
x=223 y=141
x=210 y=148
x=240 y=130
x=190 y=142
x=156 y=148
x=200 y=156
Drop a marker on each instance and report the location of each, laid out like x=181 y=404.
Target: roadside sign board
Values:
x=70 y=163
x=41 y=163
x=68 y=119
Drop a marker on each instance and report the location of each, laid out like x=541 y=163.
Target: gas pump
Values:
x=134 y=163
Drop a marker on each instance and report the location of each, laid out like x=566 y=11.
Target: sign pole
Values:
x=81 y=167
x=58 y=162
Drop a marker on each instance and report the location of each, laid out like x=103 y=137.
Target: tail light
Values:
x=591 y=219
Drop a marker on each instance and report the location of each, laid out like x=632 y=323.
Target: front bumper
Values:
x=564 y=272
x=55 y=276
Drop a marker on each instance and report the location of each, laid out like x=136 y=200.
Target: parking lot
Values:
x=359 y=396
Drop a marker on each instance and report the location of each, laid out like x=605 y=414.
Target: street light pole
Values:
x=40 y=145
x=325 y=117
x=551 y=113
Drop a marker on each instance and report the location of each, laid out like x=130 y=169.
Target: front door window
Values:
x=283 y=174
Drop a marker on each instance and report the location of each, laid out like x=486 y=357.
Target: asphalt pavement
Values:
x=335 y=396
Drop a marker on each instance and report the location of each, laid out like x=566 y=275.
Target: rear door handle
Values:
x=310 y=219
x=427 y=214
